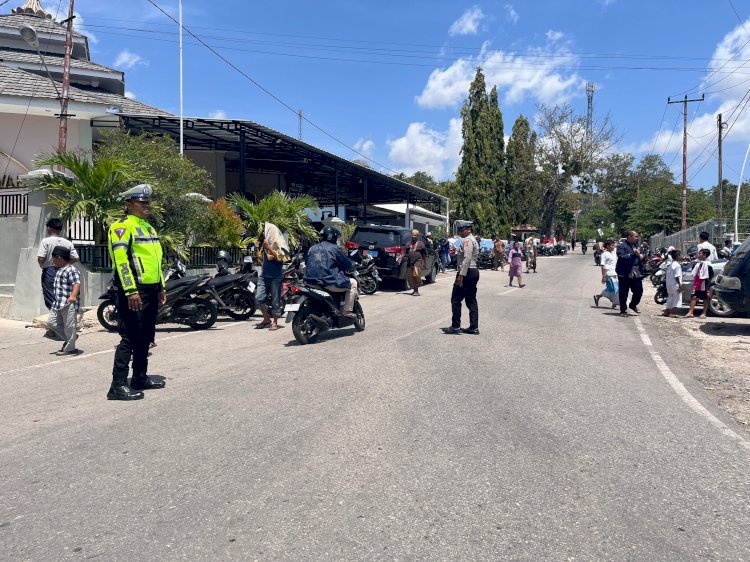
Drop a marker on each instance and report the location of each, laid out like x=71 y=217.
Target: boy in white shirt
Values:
x=609 y=275
x=674 y=284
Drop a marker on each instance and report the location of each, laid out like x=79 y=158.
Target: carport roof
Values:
x=307 y=169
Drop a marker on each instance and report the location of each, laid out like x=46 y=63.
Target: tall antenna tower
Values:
x=590 y=89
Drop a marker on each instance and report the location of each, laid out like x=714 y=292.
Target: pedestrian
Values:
x=273 y=251
x=53 y=239
x=64 y=310
x=414 y=251
x=609 y=275
x=674 y=284
x=465 y=285
x=430 y=241
x=630 y=273
x=706 y=245
x=515 y=258
x=702 y=273
x=445 y=253
x=726 y=251
x=498 y=253
x=136 y=255
x=530 y=253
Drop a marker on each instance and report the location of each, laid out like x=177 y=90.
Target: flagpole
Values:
x=182 y=124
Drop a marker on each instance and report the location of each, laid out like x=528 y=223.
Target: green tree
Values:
x=496 y=170
x=88 y=189
x=523 y=188
x=287 y=213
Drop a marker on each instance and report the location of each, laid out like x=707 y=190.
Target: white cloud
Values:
x=428 y=150
x=606 y=3
x=365 y=146
x=543 y=73
x=468 y=23
x=128 y=60
x=511 y=14
x=217 y=114
x=130 y=95
x=554 y=36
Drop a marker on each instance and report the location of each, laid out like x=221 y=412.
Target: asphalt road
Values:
x=552 y=435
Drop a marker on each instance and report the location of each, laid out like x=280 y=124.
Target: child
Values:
x=674 y=284
x=609 y=275
x=62 y=316
x=701 y=275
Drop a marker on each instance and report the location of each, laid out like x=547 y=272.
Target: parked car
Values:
x=732 y=287
x=384 y=244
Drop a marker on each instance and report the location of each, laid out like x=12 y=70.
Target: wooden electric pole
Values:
x=62 y=140
x=721 y=180
x=684 y=164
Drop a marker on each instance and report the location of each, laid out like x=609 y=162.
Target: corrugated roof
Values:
x=42 y=25
x=51 y=60
x=20 y=83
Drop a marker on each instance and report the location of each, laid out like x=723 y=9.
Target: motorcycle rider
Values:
x=327 y=265
x=584 y=246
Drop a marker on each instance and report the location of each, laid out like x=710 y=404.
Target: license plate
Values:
x=251 y=287
x=373 y=253
x=292 y=307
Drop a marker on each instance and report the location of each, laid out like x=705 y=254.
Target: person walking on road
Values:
x=530 y=244
x=674 y=284
x=414 y=252
x=515 y=257
x=64 y=310
x=630 y=273
x=498 y=254
x=53 y=240
x=609 y=275
x=445 y=249
x=273 y=250
x=465 y=286
x=136 y=254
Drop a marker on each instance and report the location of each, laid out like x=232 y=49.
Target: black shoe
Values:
x=451 y=330
x=147 y=384
x=472 y=331
x=623 y=314
x=123 y=392
x=635 y=309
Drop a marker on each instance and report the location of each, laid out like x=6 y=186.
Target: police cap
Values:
x=142 y=192
x=460 y=225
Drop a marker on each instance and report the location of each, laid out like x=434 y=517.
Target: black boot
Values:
x=123 y=392
x=146 y=383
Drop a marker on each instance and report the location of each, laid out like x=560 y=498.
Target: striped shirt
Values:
x=64 y=280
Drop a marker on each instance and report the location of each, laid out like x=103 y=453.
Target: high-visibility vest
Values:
x=136 y=254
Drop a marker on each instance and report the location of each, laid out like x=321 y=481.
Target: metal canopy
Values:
x=332 y=180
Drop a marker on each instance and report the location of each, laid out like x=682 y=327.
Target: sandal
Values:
x=262 y=325
x=273 y=328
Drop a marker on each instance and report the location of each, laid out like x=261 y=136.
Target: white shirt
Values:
x=713 y=256
x=609 y=262
x=48 y=244
x=674 y=274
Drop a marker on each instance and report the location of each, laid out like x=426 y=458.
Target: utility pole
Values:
x=684 y=164
x=721 y=180
x=62 y=140
x=590 y=89
x=299 y=128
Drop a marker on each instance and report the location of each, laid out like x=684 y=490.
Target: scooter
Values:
x=584 y=247
x=314 y=311
x=367 y=273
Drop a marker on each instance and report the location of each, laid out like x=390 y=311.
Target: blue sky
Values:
x=388 y=77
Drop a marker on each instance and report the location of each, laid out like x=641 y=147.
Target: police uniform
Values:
x=466 y=268
x=136 y=255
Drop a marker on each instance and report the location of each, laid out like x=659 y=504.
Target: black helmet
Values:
x=224 y=255
x=330 y=234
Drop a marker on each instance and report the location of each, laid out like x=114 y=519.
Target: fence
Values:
x=14 y=205
x=97 y=257
x=691 y=235
x=81 y=231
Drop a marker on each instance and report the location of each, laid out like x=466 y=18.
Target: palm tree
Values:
x=90 y=189
x=288 y=213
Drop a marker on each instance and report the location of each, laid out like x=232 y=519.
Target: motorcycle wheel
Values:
x=368 y=285
x=240 y=305
x=359 y=321
x=661 y=296
x=303 y=330
x=107 y=315
x=208 y=314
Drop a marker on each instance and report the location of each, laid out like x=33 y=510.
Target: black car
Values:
x=385 y=244
x=732 y=287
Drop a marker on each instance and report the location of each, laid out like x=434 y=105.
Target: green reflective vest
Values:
x=136 y=254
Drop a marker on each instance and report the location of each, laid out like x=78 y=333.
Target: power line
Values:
x=739 y=19
x=271 y=94
x=670 y=138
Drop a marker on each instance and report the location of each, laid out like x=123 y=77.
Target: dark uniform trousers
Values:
x=468 y=293
x=633 y=285
x=137 y=330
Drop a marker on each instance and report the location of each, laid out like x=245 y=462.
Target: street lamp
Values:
x=29 y=35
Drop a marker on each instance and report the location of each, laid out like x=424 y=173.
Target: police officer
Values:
x=465 y=286
x=136 y=257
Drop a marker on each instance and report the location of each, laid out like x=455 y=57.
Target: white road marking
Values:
x=684 y=393
x=508 y=291
x=104 y=352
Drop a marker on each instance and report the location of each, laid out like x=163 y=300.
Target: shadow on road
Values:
x=739 y=327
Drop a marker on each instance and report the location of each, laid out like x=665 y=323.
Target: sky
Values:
x=386 y=79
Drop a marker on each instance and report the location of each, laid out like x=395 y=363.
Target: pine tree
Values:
x=501 y=220
x=523 y=189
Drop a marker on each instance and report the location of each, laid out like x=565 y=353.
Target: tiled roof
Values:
x=16 y=82
x=42 y=25
x=33 y=58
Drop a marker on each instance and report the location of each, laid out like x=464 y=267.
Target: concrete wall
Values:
x=13 y=235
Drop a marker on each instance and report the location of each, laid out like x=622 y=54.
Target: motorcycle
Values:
x=232 y=293
x=182 y=306
x=367 y=273
x=484 y=260
x=598 y=257
x=314 y=311
x=583 y=249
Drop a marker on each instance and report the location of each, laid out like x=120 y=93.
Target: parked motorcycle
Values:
x=231 y=293
x=367 y=274
x=484 y=260
x=314 y=311
x=182 y=306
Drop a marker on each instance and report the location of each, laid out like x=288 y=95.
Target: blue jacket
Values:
x=327 y=264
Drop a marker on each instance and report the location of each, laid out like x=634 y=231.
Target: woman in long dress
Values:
x=515 y=258
x=674 y=285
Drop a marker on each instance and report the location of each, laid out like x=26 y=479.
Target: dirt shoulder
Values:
x=720 y=346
